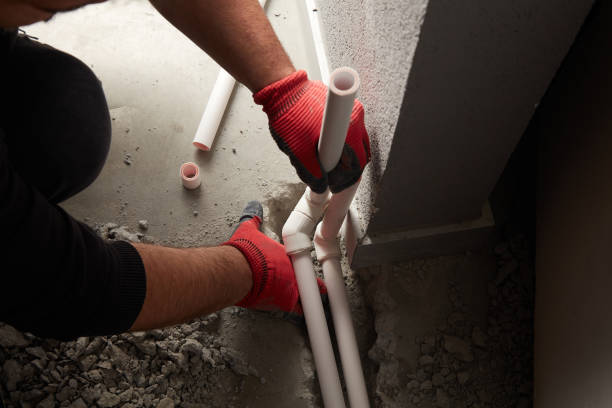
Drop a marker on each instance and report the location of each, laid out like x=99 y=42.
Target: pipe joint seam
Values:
x=325 y=248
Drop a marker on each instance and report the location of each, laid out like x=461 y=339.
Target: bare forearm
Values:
x=186 y=283
x=235 y=33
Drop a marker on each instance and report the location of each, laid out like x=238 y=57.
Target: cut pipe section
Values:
x=342 y=91
x=215 y=109
x=190 y=175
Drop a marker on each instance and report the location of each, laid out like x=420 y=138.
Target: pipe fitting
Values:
x=302 y=220
x=326 y=248
x=190 y=175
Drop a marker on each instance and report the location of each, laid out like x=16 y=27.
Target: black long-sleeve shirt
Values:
x=58 y=278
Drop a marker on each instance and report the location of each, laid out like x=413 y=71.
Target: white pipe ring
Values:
x=190 y=175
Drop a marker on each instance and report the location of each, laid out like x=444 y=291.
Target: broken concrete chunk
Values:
x=37 y=352
x=10 y=337
x=48 y=402
x=78 y=403
x=147 y=347
x=108 y=400
x=143 y=224
x=192 y=346
x=12 y=374
x=458 y=348
x=166 y=403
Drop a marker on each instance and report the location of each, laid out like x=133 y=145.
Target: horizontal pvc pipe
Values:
x=190 y=175
x=318 y=332
x=217 y=104
x=342 y=90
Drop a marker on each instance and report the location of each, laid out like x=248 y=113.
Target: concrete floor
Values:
x=157 y=85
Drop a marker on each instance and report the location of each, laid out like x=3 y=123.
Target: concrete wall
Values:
x=573 y=333
x=449 y=88
x=377 y=38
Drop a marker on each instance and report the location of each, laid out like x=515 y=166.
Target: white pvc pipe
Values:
x=217 y=104
x=317 y=39
x=344 y=83
x=328 y=253
x=343 y=86
x=318 y=332
x=190 y=175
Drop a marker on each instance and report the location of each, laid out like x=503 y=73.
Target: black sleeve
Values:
x=58 y=278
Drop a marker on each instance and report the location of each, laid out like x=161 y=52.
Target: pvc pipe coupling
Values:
x=190 y=175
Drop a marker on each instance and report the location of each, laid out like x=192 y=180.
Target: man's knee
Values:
x=68 y=115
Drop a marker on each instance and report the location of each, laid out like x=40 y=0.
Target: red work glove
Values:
x=294 y=106
x=274 y=284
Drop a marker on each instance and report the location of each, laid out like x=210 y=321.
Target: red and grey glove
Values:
x=274 y=284
x=295 y=106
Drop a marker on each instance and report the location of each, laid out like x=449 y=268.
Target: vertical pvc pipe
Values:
x=342 y=90
x=318 y=331
x=217 y=104
x=329 y=255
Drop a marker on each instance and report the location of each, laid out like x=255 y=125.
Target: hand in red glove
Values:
x=295 y=106
x=274 y=284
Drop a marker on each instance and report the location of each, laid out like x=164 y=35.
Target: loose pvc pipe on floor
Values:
x=190 y=175
x=217 y=104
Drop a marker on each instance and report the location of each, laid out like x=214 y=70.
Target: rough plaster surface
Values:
x=378 y=39
x=451 y=86
x=478 y=73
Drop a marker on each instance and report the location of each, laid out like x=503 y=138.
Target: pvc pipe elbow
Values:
x=298 y=227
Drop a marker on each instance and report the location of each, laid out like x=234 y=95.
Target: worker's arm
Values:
x=235 y=33
x=249 y=270
x=184 y=283
x=238 y=35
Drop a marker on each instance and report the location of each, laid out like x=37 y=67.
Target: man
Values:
x=57 y=278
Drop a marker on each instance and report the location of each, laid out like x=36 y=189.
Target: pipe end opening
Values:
x=344 y=81
x=189 y=171
x=201 y=146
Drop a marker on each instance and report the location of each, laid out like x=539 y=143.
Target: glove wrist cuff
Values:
x=282 y=93
x=257 y=263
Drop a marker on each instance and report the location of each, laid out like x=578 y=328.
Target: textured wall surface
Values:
x=479 y=71
x=451 y=87
x=377 y=38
